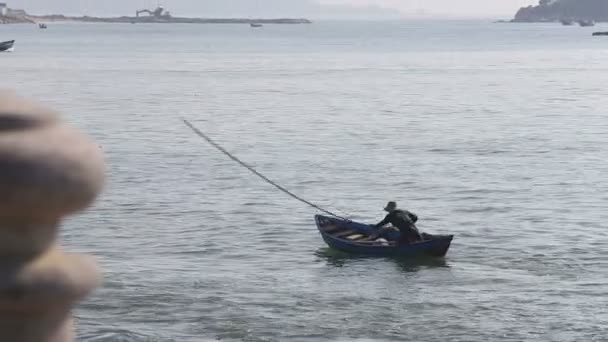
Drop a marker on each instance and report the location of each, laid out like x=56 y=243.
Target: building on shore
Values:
x=13 y=16
x=16 y=13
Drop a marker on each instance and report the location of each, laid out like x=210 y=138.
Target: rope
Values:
x=243 y=164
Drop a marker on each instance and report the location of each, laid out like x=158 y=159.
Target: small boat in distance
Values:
x=6 y=46
x=353 y=237
x=567 y=22
x=600 y=33
x=42 y=26
x=256 y=25
x=586 y=23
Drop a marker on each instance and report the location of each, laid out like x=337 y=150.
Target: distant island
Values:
x=564 y=10
x=158 y=15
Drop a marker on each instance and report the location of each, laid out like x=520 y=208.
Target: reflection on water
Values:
x=338 y=258
x=416 y=264
x=335 y=257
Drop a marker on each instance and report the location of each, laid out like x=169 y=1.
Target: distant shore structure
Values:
x=158 y=15
x=159 y=12
x=13 y=16
x=587 y=11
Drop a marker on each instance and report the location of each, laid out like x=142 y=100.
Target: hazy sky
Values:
x=373 y=9
x=450 y=8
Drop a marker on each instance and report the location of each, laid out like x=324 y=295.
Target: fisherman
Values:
x=402 y=220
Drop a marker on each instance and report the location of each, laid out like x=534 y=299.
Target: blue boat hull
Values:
x=4 y=46
x=433 y=246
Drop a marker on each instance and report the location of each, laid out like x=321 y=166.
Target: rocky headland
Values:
x=564 y=10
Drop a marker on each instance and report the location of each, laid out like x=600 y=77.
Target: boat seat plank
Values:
x=355 y=236
x=345 y=233
x=375 y=243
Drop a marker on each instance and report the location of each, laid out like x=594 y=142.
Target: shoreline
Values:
x=33 y=19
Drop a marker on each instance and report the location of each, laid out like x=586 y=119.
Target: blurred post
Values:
x=47 y=171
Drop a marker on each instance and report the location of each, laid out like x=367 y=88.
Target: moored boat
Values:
x=567 y=22
x=600 y=33
x=353 y=237
x=256 y=25
x=5 y=46
x=586 y=23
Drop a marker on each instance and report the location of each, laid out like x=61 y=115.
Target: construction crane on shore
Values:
x=159 y=12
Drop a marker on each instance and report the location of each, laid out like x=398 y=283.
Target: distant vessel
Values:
x=586 y=23
x=567 y=22
x=42 y=26
x=600 y=33
x=6 y=46
x=256 y=25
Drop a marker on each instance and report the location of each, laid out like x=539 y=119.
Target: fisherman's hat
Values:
x=390 y=206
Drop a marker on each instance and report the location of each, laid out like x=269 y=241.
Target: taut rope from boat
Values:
x=243 y=164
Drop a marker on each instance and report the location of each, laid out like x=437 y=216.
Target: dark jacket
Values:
x=402 y=220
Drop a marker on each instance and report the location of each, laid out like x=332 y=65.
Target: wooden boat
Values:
x=4 y=46
x=600 y=33
x=353 y=237
x=256 y=25
x=42 y=26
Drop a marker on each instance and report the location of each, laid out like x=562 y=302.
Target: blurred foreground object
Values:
x=47 y=171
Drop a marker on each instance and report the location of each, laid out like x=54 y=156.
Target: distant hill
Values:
x=555 y=10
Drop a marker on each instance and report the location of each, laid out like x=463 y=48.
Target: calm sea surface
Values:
x=497 y=133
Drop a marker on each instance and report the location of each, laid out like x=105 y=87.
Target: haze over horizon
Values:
x=314 y=9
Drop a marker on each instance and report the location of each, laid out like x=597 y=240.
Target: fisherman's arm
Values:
x=386 y=220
